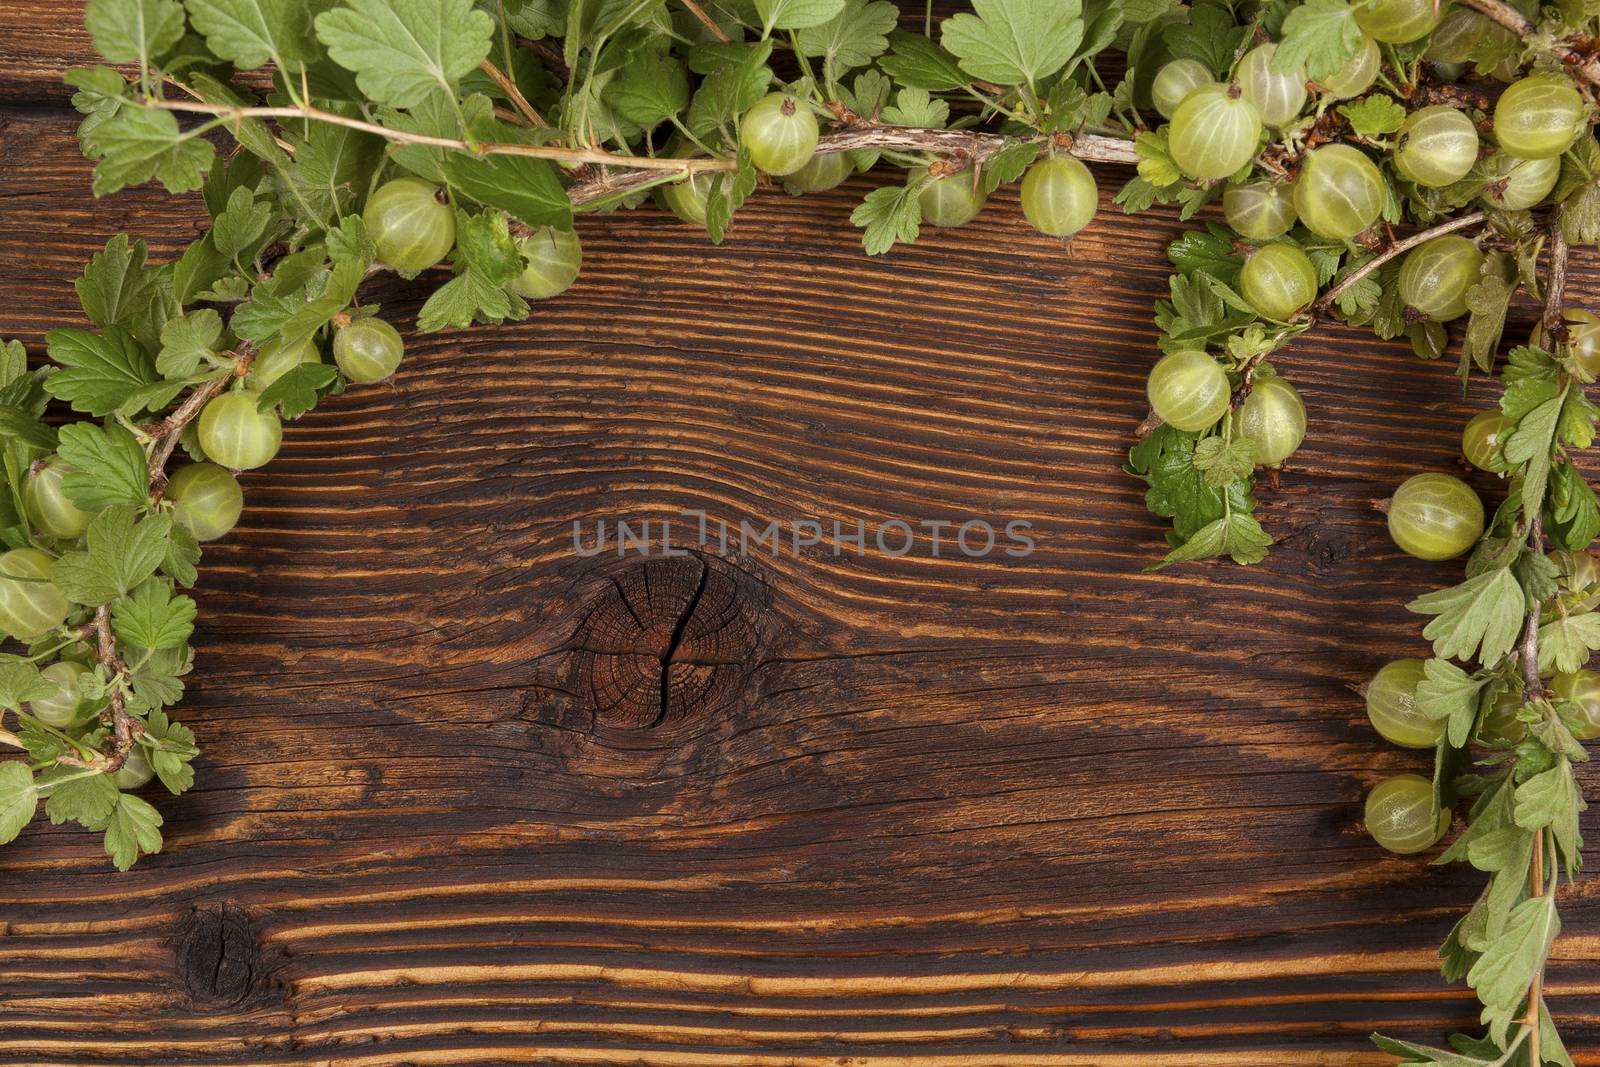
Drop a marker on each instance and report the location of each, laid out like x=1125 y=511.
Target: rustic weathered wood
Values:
x=470 y=797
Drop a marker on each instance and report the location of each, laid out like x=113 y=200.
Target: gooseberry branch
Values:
x=1319 y=143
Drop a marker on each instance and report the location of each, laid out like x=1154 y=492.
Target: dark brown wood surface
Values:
x=470 y=798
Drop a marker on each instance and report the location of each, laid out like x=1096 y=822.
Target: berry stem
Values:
x=513 y=94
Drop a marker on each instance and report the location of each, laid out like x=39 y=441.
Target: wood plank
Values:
x=1040 y=810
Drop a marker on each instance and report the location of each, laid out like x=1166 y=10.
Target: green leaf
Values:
x=796 y=14
x=13 y=362
x=186 y=341
x=19 y=798
x=1529 y=443
x=153 y=618
x=728 y=193
x=1546 y=798
x=527 y=188
x=242 y=224
x=121 y=553
x=297 y=390
x=469 y=298
x=649 y=90
x=854 y=37
x=109 y=466
x=106 y=374
x=134 y=830
x=1501 y=976
x=739 y=76
x=21 y=426
x=401 y=51
x=1425 y=1055
x=1480 y=618
x=1224 y=462
x=1321 y=36
x=134 y=31
x=141 y=144
x=170 y=747
x=1013 y=42
x=86 y=798
x=1565 y=643
x=1374 y=116
x=915 y=107
x=1447 y=692
x=1488 y=302
x=115 y=288
x=892 y=213
x=1237 y=535
x=248 y=33
x=917 y=61
x=20 y=682
x=1211 y=37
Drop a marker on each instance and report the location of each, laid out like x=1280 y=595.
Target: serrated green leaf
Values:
x=242 y=224
x=1320 y=36
x=109 y=466
x=249 y=33
x=1014 y=42
x=401 y=51
x=104 y=373
x=141 y=144
x=526 y=188
x=919 y=62
x=134 y=31
x=188 y=340
x=152 y=617
x=890 y=214
x=133 y=830
x=76 y=796
x=854 y=37
x=795 y=14
x=120 y=554
x=1480 y=618
x=298 y=389
x=19 y=799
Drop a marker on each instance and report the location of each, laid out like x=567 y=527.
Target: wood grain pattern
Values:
x=472 y=798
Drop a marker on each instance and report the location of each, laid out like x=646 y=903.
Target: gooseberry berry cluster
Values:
x=422 y=138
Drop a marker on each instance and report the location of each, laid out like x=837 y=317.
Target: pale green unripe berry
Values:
x=1059 y=196
x=1392 y=706
x=687 y=199
x=1400 y=817
x=206 y=498
x=1582 y=688
x=553 y=259
x=1436 y=146
x=949 y=199
x=52 y=512
x=61 y=707
x=1583 y=338
x=135 y=771
x=1188 y=391
x=1274 y=417
x=1435 y=516
x=1460 y=32
x=1357 y=75
x=1278 y=280
x=1518 y=184
x=275 y=360
x=411 y=224
x=1397 y=21
x=1501 y=724
x=825 y=171
x=368 y=350
x=1176 y=80
x=1539 y=117
x=236 y=435
x=1213 y=133
x=1277 y=98
x=1482 y=438
x=780 y=133
x=1435 y=277
x=1339 y=192
x=1260 y=210
x=30 y=604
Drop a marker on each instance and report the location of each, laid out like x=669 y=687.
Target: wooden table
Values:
x=469 y=797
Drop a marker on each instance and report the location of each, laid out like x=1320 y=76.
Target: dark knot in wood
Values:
x=219 y=958
x=668 y=640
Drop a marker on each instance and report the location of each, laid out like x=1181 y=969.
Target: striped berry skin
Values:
x=1278 y=280
x=275 y=360
x=1583 y=337
x=1188 y=391
x=1277 y=98
x=1481 y=439
x=1539 y=117
x=687 y=199
x=1399 y=815
x=1436 y=146
x=368 y=350
x=1582 y=688
x=1392 y=706
x=1176 y=80
x=1274 y=417
x=1518 y=184
x=1059 y=196
x=238 y=436
x=948 y=199
x=1356 y=76
x=1260 y=211
x=1339 y=192
x=553 y=258
x=411 y=226
x=30 y=604
x=825 y=171
x=1213 y=133
x=780 y=133
x=1435 y=277
x=47 y=504
x=1435 y=516
x=1398 y=21
x=60 y=709
x=206 y=498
